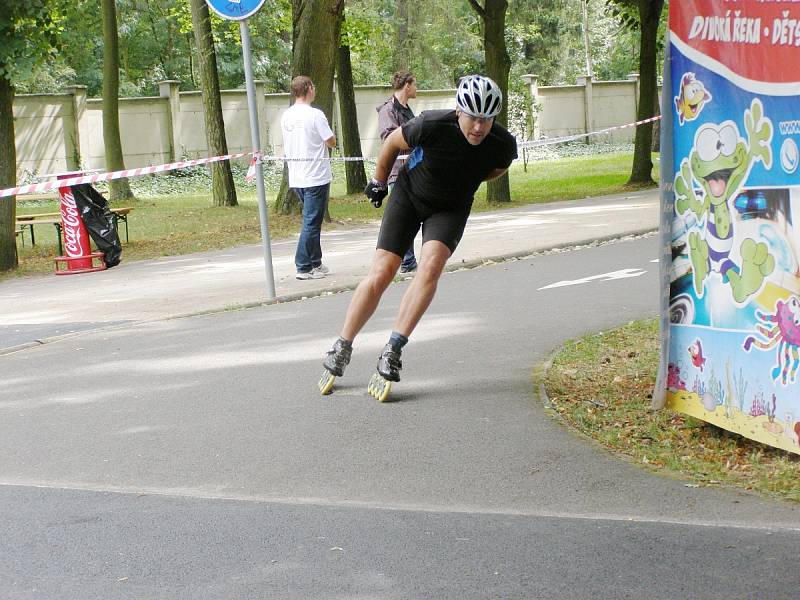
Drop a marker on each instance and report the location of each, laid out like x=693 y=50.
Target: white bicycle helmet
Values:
x=479 y=96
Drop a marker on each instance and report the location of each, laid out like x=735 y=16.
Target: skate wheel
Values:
x=379 y=388
x=326 y=382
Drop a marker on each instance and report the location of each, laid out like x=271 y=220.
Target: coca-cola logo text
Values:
x=71 y=221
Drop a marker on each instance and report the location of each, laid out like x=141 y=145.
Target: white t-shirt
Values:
x=305 y=130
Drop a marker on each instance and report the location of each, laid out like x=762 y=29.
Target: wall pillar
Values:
x=77 y=152
x=532 y=81
x=588 y=107
x=261 y=107
x=634 y=77
x=336 y=112
x=169 y=89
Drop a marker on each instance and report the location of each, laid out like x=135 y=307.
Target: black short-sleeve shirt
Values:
x=444 y=170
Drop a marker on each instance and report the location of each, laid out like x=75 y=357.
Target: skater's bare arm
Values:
x=495 y=174
x=394 y=145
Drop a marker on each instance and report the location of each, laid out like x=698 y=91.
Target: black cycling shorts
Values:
x=403 y=217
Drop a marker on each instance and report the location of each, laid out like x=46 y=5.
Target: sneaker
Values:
x=408 y=268
x=312 y=274
x=322 y=269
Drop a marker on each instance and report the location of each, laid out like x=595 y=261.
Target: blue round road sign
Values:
x=235 y=10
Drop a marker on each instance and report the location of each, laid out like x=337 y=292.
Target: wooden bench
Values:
x=121 y=214
x=29 y=221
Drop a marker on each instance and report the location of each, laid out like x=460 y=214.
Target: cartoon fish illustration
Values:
x=692 y=98
x=696 y=352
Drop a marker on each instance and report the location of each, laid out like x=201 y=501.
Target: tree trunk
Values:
x=223 y=190
x=120 y=188
x=656 y=146
x=587 y=46
x=351 y=140
x=316 y=25
x=8 y=178
x=498 y=65
x=286 y=203
x=401 y=47
x=649 y=16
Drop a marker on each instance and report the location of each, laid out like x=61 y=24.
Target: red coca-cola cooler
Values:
x=78 y=256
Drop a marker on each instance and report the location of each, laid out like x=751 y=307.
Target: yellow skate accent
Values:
x=379 y=387
x=326 y=382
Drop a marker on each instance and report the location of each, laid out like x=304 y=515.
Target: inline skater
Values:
x=454 y=152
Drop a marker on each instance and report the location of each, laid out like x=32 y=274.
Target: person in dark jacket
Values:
x=392 y=114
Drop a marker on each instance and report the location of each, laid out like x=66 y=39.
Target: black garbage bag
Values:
x=99 y=222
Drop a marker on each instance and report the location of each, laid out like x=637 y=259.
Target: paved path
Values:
x=194 y=458
x=33 y=309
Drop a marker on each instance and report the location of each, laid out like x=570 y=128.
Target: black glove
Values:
x=376 y=191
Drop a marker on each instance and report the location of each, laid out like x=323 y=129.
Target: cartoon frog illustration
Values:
x=720 y=162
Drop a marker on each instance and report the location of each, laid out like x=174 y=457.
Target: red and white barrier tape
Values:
x=52 y=184
x=57 y=183
x=577 y=136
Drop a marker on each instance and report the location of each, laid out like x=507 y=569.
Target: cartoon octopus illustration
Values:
x=781 y=329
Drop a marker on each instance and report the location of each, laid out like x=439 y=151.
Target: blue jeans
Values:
x=309 y=252
x=409 y=260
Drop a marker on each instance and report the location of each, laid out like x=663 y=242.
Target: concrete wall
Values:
x=62 y=132
x=45 y=132
x=561 y=111
x=144 y=131
x=614 y=104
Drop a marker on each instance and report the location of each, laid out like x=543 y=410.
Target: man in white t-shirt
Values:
x=307 y=135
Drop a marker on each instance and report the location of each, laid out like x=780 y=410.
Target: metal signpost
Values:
x=241 y=10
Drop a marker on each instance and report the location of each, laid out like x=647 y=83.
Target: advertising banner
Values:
x=731 y=217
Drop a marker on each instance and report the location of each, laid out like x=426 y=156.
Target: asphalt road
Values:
x=193 y=458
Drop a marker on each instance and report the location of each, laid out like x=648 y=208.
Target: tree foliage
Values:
x=29 y=32
x=645 y=15
x=28 y=36
x=156 y=43
x=439 y=40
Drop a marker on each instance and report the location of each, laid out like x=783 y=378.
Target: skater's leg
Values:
x=420 y=292
x=369 y=291
x=365 y=301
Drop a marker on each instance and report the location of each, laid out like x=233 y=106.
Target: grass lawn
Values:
x=602 y=384
x=182 y=223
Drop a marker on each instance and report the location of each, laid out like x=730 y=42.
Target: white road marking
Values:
x=621 y=274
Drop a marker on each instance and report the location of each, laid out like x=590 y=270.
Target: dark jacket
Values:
x=391 y=115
